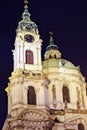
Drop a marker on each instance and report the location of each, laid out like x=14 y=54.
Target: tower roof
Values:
x=26 y=14
x=26 y=24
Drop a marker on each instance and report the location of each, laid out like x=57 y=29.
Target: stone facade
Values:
x=43 y=95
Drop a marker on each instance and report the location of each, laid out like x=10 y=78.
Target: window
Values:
x=54 y=56
x=65 y=92
x=29 y=57
x=50 y=56
x=54 y=92
x=54 y=96
x=78 y=98
x=80 y=126
x=31 y=96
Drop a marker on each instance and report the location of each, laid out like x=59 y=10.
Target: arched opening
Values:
x=29 y=57
x=54 y=95
x=81 y=126
x=31 y=96
x=55 y=56
x=50 y=56
x=65 y=92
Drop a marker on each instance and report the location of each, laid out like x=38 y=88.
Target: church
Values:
x=43 y=95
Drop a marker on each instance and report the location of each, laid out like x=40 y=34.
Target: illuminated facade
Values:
x=43 y=95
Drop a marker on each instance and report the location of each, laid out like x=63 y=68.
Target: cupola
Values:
x=52 y=49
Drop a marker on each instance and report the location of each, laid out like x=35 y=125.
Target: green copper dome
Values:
x=58 y=63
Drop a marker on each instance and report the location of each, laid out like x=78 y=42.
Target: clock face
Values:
x=29 y=38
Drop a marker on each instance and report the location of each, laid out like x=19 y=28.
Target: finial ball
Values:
x=51 y=33
x=26 y=4
x=26 y=1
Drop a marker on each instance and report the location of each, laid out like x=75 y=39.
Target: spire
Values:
x=26 y=14
x=51 y=38
x=26 y=24
x=52 y=45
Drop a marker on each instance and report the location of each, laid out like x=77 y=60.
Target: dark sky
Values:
x=67 y=20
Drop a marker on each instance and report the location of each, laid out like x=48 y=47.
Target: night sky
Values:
x=66 y=19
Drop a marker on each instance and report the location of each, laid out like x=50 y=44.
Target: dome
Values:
x=53 y=57
x=58 y=63
x=66 y=64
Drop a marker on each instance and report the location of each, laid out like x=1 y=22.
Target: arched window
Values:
x=55 y=56
x=29 y=57
x=54 y=92
x=54 y=96
x=65 y=92
x=50 y=56
x=81 y=126
x=31 y=96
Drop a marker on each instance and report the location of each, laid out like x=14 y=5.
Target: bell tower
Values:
x=27 y=52
x=27 y=89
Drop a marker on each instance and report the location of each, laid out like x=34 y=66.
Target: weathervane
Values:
x=26 y=4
